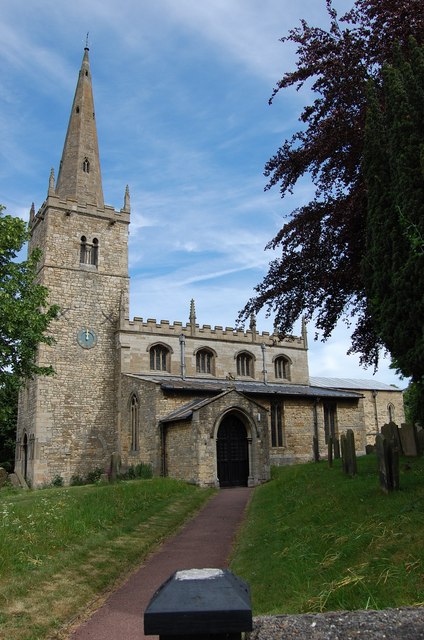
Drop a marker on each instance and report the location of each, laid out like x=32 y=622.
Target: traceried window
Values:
x=245 y=364
x=134 y=422
x=89 y=251
x=204 y=361
x=277 y=432
x=282 y=368
x=159 y=358
x=86 y=166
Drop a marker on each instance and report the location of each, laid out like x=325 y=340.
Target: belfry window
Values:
x=134 y=422
x=86 y=166
x=89 y=252
x=204 y=361
x=159 y=358
x=245 y=365
x=282 y=368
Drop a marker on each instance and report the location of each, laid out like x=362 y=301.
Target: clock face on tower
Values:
x=86 y=338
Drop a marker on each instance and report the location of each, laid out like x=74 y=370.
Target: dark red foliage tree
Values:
x=322 y=243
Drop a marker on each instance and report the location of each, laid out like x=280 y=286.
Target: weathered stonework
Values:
x=208 y=405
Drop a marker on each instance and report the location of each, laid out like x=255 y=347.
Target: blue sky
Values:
x=181 y=90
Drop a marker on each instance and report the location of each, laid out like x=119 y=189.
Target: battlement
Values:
x=229 y=334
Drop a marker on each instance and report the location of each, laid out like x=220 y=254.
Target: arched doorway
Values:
x=232 y=453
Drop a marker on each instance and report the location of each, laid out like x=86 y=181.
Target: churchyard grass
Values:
x=317 y=540
x=63 y=548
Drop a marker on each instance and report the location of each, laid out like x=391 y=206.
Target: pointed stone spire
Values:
x=51 y=191
x=192 y=317
x=79 y=173
x=127 y=201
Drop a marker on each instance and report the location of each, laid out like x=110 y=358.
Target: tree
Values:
x=393 y=262
x=24 y=319
x=322 y=244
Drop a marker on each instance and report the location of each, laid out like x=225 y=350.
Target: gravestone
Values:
x=343 y=452
x=336 y=449
x=408 y=438
x=22 y=481
x=14 y=480
x=388 y=463
x=391 y=432
x=351 y=453
x=420 y=441
x=330 y=451
x=3 y=476
x=115 y=466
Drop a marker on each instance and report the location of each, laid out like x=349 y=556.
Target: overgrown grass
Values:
x=317 y=540
x=60 y=548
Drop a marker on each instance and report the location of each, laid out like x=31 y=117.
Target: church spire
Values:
x=79 y=173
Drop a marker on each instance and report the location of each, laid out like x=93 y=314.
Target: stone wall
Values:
x=137 y=338
x=72 y=416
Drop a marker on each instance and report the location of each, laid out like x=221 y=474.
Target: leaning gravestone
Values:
x=22 y=481
x=14 y=480
x=408 y=438
x=3 y=476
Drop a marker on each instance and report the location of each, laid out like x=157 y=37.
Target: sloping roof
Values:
x=209 y=385
x=351 y=383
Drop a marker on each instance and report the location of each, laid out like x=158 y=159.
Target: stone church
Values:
x=210 y=405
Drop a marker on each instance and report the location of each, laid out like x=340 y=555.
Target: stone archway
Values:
x=232 y=452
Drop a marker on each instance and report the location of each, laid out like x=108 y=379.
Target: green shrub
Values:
x=94 y=475
x=57 y=481
x=144 y=471
x=76 y=481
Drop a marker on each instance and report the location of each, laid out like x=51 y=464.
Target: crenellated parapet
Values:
x=220 y=333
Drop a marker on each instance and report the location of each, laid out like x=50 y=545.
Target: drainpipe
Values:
x=264 y=371
x=182 y=356
x=374 y=395
x=164 y=470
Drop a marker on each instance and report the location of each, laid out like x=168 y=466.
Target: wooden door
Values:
x=232 y=453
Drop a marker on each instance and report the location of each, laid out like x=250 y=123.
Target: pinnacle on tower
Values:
x=79 y=173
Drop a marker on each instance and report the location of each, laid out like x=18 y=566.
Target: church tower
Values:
x=67 y=423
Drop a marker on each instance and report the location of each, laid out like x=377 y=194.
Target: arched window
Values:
x=159 y=358
x=134 y=423
x=245 y=364
x=83 y=249
x=94 y=251
x=86 y=166
x=282 y=368
x=89 y=253
x=391 y=412
x=205 y=361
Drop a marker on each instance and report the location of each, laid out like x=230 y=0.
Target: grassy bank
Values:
x=316 y=540
x=61 y=548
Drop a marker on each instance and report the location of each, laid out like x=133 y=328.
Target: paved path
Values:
x=205 y=542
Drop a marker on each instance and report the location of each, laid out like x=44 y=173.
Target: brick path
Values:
x=205 y=542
